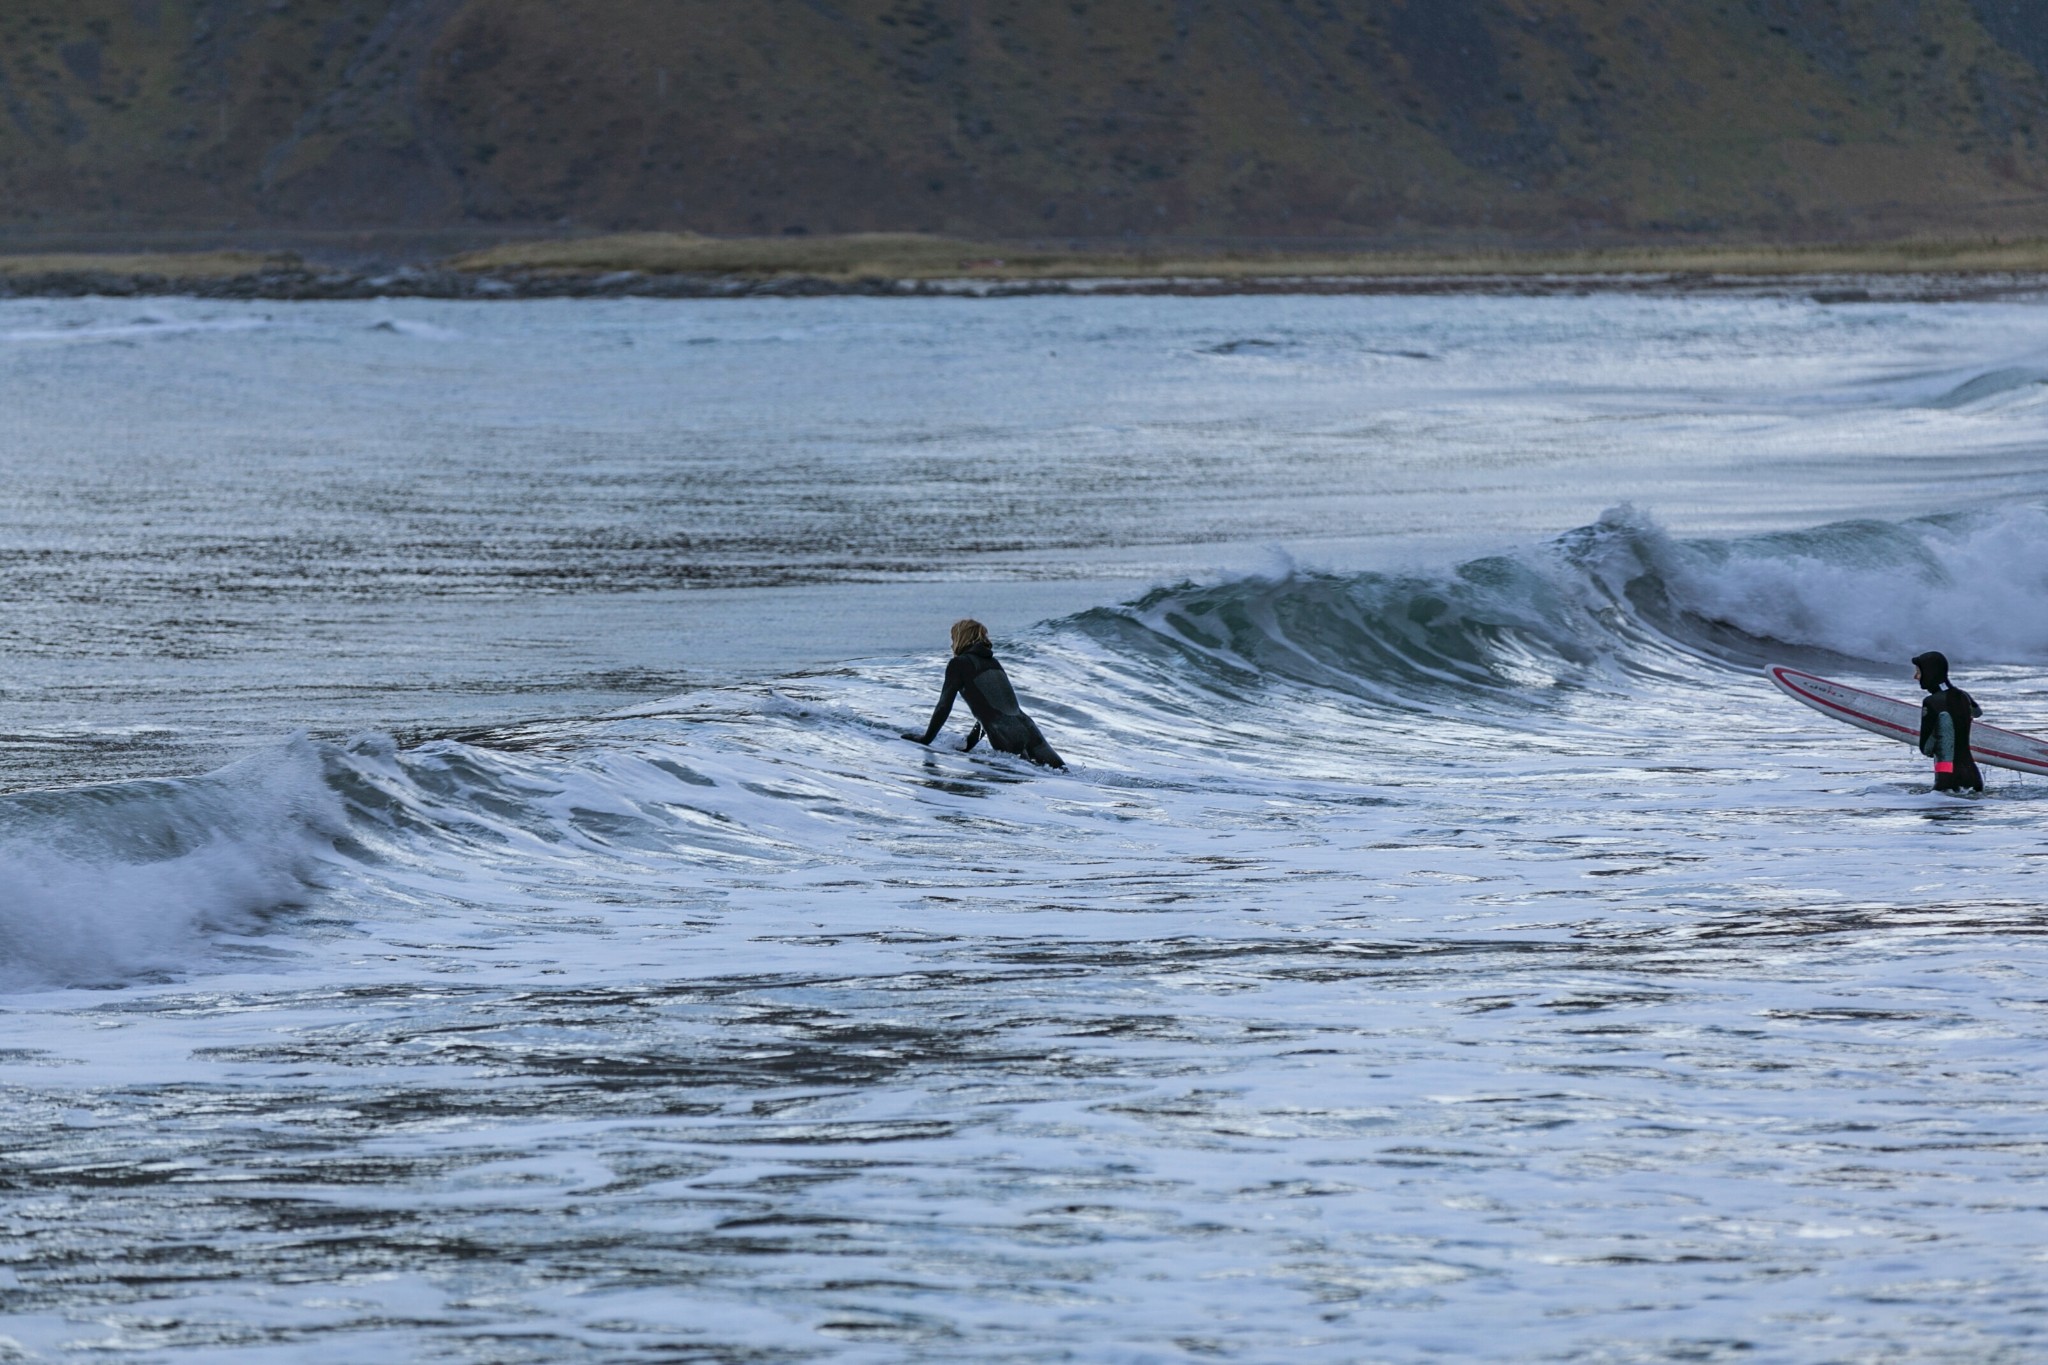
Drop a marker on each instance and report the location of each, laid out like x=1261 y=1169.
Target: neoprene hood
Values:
x=1933 y=666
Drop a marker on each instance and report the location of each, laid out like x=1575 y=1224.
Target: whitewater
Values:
x=463 y=894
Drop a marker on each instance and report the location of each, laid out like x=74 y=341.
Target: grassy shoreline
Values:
x=682 y=264
x=907 y=256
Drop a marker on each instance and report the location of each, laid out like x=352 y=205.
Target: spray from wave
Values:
x=1974 y=584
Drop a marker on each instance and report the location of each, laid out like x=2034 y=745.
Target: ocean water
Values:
x=463 y=895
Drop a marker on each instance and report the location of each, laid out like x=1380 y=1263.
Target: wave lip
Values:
x=101 y=885
x=1493 y=626
x=1991 y=385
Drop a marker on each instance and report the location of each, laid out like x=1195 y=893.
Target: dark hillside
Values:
x=1367 y=120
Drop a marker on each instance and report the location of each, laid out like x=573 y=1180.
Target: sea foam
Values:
x=103 y=884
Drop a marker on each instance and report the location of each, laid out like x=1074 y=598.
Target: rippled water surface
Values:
x=462 y=895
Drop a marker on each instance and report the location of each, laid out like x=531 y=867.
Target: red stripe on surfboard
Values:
x=2029 y=759
x=1830 y=704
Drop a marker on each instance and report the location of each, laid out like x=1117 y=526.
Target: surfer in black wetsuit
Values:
x=974 y=674
x=1945 y=718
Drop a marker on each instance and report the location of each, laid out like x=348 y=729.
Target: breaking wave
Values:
x=107 y=883
x=110 y=883
x=1616 y=600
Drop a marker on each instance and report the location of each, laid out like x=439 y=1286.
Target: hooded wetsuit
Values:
x=974 y=674
x=1945 y=718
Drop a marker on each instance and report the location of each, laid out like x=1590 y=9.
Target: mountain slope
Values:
x=1360 y=119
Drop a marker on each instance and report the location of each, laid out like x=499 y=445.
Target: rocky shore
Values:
x=450 y=284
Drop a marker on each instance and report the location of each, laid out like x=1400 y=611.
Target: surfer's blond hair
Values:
x=967 y=633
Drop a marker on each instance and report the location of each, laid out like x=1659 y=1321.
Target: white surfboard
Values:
x=1895 y=719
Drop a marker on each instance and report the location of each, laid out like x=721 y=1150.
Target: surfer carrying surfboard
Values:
x=1945 y=718
x=974 y=674
x=1948 y=710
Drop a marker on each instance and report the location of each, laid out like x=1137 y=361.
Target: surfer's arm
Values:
x=1942 y=743
x=973 y=738
x=942 y=710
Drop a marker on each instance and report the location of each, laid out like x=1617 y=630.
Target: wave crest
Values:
x=1619 y=599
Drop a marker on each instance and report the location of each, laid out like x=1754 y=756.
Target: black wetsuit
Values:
x=974 y=674
x=1945 y=718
